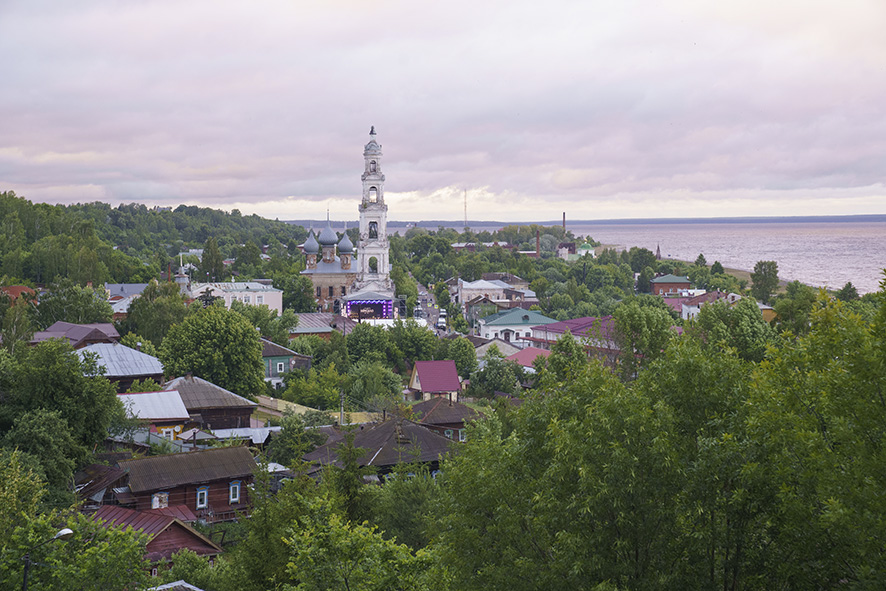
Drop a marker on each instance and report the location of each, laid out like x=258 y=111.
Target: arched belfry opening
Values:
x=373 y=195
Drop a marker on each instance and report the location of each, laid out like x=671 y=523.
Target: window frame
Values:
x=281 y=367
x=235 y=485
x=202 y=490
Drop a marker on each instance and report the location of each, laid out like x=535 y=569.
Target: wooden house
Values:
x=166 y=534
x=435 y=378
x=213 y=482
x=211 y=406
x=445 y=417
x=278 y=360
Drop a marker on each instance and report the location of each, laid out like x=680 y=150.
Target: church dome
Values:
x=311 y=246
x=585 y=246
x=345 y=246
x=328 y=237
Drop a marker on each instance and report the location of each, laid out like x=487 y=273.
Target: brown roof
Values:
x=15 y=291
x=168 y=471
x=272 y=349
x=154 y=524
x=78 y=334
x=440 y=411
x=387 y=444
x=95 y=478
x=437 y=376
x=198 y=394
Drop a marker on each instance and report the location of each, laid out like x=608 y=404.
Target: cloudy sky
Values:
x=603 y=109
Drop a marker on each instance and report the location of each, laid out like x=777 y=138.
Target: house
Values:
x=482 y=306
x=121 y=295
x=503 y=347
x=446 y=417
x=167 y=534
x=509 y=278
x=387 y=444
x=124 y=365
x=78 y=335
x=692 y=306
x=279 y=360
x=163 y=411
x=526 y=357
x=322 y=324
x=596 y=334
x=214 y=483
x=255 y=293
x=435 y=378
x=468 y=290
x=669 y=284
x=212 y=406
x=512 y=325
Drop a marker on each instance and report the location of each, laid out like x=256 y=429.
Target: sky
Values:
x=600 y=109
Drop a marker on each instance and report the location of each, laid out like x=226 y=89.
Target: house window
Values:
x=154 y=571
x=202 y=497
x=281 y=367
x=160 y=500
x=318 y=292
x=331 y=291
x=246 y=299
x=448 y=433
x=462 y=435
x=167 y=433
x=344 y=290
x=234 y=492
x=259 y=300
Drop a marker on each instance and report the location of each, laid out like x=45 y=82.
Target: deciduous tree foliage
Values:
x=156 y=310
x=218 y=345
x=764 y=280
x=69 y=302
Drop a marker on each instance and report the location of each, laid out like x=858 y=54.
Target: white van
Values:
x=441 y=322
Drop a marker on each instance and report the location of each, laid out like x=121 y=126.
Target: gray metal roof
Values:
x=124 y=289
x=257 y=435
x=197 y=393
x=155 y=406
x=121 y=361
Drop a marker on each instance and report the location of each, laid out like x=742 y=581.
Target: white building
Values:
x=511 y=325
x=468 y=290
x=248 y=292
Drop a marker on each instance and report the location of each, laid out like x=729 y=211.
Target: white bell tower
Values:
x=373 y=265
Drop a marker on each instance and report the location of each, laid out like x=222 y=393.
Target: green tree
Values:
x=212 y=267
x=298 y=292
x=330 y=553
x=847 y=293
x=218 y=345
x=642 y=333
x=497 y=375
x=139 y=343
x=403 y=507
x=794 y=307
x=156 y=310
x=764 y=280
x=17 y=324
x=415 y=342
x=700 y=261
x=739 y=326
x=717 y=269
x=369 y=343
x=318 y=389
x=269 y=324
x=69 y=302
x=248 y=256
x=463 y=353
x=371 y=384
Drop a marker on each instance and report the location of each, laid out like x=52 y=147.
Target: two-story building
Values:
x=254 y=293
x=511 y=325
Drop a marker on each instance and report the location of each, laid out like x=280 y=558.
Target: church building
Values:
x=362 y=288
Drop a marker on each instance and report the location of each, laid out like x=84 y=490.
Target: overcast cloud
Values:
x=602 y=109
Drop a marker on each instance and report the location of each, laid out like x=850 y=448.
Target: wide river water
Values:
x=826 y=254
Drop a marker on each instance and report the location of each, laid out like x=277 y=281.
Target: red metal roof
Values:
x=526 y=356
x=154 y=524
x=438 y=376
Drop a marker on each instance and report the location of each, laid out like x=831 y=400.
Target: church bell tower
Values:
x=373 y=265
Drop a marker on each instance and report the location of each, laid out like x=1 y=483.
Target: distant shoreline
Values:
x=478 y=224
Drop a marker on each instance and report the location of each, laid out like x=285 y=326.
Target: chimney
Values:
x=537 y=243
x=564 y=225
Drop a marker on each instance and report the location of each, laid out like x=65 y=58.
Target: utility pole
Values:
x=466 y=209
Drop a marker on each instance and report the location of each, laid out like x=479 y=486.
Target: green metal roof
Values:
x=670 y=279
x=516 y=316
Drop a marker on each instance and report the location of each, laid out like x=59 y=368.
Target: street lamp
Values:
x=63 y=534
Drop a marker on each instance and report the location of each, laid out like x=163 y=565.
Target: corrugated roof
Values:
x=441 y=410
x=125 y=289
x=526 y=356
x=587 y=326
x=168 y=471
x=153 y=523
x=257 y=435
x=387 y=444
x=272 y=349
x=438 y=376
x=121 y=361
x=198 y=393
x=155 y=406
x=176 y=586
x=78 y=333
